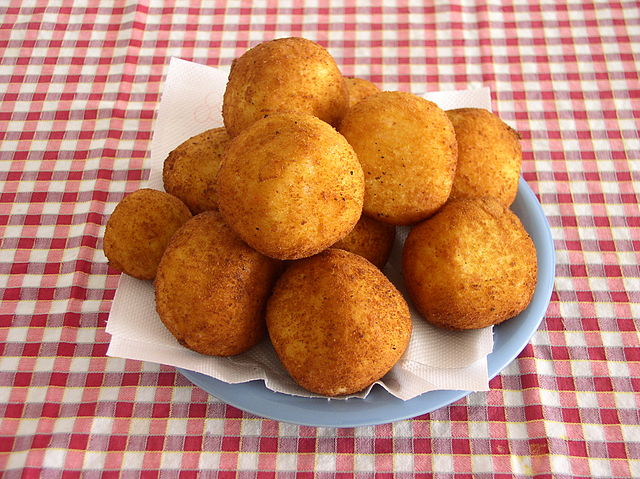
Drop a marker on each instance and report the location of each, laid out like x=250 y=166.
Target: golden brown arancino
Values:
x=471 y=265
x=139 y=230
x=370 y=239
x=290 y=186
x=489 y=156
x=337 y=323
x=407 y=149
x=190 y=170
x=359 y=89
x=287 y=74
x=211 y=288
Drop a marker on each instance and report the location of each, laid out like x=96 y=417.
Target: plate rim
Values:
x=497 y=360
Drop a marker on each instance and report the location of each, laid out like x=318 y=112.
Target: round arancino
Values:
x=471 y=265
x=190 y=170
x=359 y=89
x=139 y=230
x=489 y=156
x=290 y=186
x=337 y=323
x=287 y=74
x=211 y=288
x=370 y=239
x=407 y=149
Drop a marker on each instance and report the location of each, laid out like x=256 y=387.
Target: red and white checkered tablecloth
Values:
x=79 y=88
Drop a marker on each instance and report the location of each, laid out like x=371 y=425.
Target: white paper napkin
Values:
x=435 y=359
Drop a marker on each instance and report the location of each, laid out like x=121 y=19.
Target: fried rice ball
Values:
x=337 y=323
x=190 y=170
x=139 y=230
x=211 y=288
x=407 y=149
x=287 y=74
x=471 y=265
x=290 y=186
x=489 y=156
x=359 y=89
x=370 y=239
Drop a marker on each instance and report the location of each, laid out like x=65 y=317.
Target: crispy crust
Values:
x=370 y=239
x=471 y=265
x=287 y=74
x=359 y=89
x=407 y=149
x=211 y=288
x=290 y=186
x=139 y=230
x=337 y=323
x=190 y=170
x=489 y=156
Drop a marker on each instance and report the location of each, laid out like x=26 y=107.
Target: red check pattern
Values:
x=80 y=87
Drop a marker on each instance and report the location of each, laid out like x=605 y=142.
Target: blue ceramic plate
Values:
x=379 y=406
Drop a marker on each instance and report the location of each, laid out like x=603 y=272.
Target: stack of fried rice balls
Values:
x=281 y=221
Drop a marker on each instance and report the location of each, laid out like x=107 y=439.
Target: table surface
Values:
x=80 y=88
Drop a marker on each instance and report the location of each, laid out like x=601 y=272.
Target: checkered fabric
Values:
x=80 y=87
